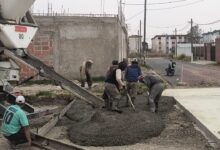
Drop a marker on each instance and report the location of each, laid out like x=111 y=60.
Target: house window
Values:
x=159 y=38
x=173 y=42
x=159 y=43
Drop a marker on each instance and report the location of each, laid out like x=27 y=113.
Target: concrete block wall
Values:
x=64 y=42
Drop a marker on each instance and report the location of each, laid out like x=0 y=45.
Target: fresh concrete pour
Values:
x=93 y=127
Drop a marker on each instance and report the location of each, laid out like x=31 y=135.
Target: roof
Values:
x=213 y=32
x=135 y=36
x=167 y=35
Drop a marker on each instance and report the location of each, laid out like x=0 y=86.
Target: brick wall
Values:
x=42 y=48
x=217 y=50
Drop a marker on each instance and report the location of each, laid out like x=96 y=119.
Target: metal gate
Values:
x=212 y=53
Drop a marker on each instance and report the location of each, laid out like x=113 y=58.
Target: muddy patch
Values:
x=56 y=100
x=92 y=127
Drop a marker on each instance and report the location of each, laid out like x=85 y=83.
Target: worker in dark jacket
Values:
x=156 y=87
x=132 y=73
x=113 y=85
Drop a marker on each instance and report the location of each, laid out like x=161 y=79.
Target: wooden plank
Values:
x=47 y=127
x=52 y=144
x=130 y=101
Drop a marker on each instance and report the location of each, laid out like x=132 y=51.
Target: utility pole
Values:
x=191 y=39
x=140 y=39
x=145 y=13
x=176 y=42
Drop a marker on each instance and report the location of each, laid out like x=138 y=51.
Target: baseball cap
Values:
x=20 y=99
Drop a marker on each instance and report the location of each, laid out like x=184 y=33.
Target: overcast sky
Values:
x=161 y=18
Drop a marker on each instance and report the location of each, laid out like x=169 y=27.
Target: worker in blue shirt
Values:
x=15 y=125
x=132 y=73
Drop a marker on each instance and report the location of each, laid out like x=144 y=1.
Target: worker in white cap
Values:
x=85 y=73
x=16 y=92
x=15 y=125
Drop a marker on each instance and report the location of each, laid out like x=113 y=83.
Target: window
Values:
x=173 y=42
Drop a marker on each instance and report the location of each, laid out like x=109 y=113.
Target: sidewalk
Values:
x=202 y=105
x=204 y=62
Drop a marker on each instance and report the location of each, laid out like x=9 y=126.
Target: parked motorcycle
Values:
x=170 y=70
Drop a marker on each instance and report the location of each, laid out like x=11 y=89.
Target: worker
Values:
x=15 y=125
x=132 y=73
x=113 y=86
x=85 y=73
x=156 y=87
x=16 y=92
x=113 y=66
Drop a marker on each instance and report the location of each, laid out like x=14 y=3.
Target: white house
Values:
x=167 y=43
x=134 y=43
x=185 y=49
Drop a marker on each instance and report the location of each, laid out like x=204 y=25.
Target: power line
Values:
x=136 y=15
x=185 y=27
x=210 y=23
x=162 y=3
x=165 y=8
x=165 y=27
x=178 y=6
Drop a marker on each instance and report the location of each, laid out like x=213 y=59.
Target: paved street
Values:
x=160 y=64
x=194 y=75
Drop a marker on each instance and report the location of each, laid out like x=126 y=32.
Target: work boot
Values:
x=115 y=107
x=152 y=107
x=12 y=145
x=156 y=105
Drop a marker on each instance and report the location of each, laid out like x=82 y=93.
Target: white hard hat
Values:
x=20 y=100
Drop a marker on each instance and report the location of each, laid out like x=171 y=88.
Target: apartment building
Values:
x=167 y=43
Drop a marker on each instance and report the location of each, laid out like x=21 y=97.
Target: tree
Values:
x=196 y=34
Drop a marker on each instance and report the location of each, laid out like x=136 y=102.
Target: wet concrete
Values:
x=92 y=127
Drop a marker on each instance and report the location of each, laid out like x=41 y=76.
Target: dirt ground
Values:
x=201 y=76
x=178 y=133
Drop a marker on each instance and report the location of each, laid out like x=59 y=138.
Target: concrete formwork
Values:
x=75 y=39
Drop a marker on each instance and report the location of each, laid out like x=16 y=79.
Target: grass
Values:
x=42 y=82
x=146 y=66
x=98 y=79
x=45 y=94
x=183 y=58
